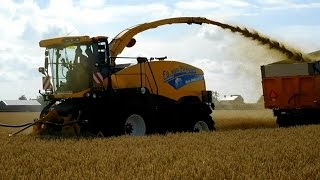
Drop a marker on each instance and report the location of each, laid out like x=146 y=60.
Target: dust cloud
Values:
x=248 y=57
x=252 y=49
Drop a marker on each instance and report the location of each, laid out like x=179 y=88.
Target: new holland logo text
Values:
x=179 y=77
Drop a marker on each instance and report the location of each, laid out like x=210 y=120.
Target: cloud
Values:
x=304 y=36
x=287 y=4
x=197 y=5
x=219 y=10
x=30 y=33
x=211 y=32
x=205 y=4
x=237 y=3
x=90 y=5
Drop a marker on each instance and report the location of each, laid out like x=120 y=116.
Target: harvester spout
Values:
x=121 y=41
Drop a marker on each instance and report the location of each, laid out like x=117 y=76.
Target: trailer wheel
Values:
x=287 y=121
x=281 y=121
x=135 y=125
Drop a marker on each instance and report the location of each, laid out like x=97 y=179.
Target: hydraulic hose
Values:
x=14 y=126
x=26 y=126
x=65 y=124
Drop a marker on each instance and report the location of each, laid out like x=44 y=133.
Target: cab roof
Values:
x=70 y=40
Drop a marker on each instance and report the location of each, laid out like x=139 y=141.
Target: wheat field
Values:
x=252 y=147
x=243 y=119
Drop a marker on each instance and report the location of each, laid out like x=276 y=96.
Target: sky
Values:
x=230 y=62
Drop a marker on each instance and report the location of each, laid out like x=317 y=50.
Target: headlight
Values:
x=143 y=90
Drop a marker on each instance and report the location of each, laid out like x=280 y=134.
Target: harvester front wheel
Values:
x=204 y=125
x=135 y=125
x=201 y=126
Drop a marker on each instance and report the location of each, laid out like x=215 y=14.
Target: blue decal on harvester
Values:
x=182 y=76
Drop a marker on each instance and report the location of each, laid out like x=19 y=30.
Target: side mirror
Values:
x=42 y=70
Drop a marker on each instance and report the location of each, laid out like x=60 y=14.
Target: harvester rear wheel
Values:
x=135 y=125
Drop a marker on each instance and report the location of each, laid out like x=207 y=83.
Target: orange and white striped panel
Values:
x=98 y=78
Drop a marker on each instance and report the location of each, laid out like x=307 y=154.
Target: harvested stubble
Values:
x=264 y=153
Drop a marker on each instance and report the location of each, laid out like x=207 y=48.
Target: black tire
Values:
x=282 y=121
x=287 y=120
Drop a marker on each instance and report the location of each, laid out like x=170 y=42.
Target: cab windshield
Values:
x=71 y=68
